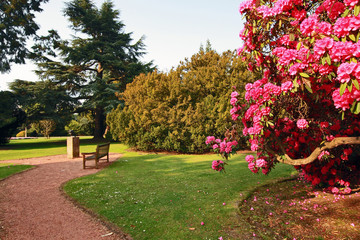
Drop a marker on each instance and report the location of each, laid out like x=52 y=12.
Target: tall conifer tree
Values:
x=97 y=62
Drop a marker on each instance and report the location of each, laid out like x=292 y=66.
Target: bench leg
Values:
x=108 y=157
x=83 y=162
x=96 y=163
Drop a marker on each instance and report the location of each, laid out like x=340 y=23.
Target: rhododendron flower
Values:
x=302 y=123
x=261 y=162
x=335 y=190
x=249 y=158
x=286 y=86
x=218 y=165
x=351 y=3
x=209 y=139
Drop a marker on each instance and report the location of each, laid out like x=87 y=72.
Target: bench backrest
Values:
x=103 y=149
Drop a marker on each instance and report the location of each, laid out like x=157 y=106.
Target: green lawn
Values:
x=7 y=169
x=40 y=147
x=159 y=196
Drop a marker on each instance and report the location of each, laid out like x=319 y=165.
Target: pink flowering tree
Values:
x=304 y=111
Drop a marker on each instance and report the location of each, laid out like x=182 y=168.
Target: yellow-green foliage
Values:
x=175 y=111
x=20 y=134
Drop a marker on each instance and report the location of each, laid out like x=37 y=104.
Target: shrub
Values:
x=175 y=111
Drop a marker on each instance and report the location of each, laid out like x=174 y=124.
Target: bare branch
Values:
x=313 y=156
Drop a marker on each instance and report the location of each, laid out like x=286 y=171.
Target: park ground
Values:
x=179 y=197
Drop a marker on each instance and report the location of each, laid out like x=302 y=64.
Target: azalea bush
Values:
x=304 y=111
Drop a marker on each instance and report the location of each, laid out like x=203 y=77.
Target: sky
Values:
x=173 y=29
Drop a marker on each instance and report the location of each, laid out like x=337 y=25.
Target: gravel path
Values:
x=32 y=205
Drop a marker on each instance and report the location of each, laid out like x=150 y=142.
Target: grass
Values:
x=159 y=196
x=8 y=169
x=40 y=147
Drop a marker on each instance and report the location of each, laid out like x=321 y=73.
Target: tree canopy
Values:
x=175 y=111
x=97 y=63
x=16 y=26
x=305 y=109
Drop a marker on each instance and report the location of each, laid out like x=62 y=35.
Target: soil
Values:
x=33 y=206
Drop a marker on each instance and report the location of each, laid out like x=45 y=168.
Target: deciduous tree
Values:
x=16 y=26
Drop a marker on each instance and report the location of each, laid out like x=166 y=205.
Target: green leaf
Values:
x=356 y=84
x=357 y=108
x=342 y=88
x=305 y=75
x=308 y=88
x=353 y=106
x=328 y=59
x=336 y=38
x=356 y=10
x=345 y=13
x=323 y=61
x=352 y=37
x=342 y=115
x=280 y=23
x=298 y=46
x=349 y=87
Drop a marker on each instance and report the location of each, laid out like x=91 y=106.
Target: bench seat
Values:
x=102 y=150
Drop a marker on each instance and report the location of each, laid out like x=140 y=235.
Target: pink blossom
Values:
x=202 y=223
x=246 y=5
x=209 y=139
x=286 y=86
x=234 y=94
x=351 y=3
x=249 y=158
x=302 y=123
x=217 y=165
x=261 y=163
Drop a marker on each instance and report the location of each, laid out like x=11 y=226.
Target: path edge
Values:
x=97 y=217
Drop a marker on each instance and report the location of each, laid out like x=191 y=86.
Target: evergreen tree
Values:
x=97 y=63
x=175 y=111
x=16 y=26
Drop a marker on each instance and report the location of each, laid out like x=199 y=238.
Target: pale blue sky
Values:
x=173 y=29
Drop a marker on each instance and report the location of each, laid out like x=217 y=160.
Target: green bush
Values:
x=176 y=111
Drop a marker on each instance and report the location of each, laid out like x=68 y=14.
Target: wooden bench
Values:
x=102 y=150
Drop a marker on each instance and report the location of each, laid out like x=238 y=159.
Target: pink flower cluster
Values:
x=279 y=7
x=345 y=100
x=332 y=7
x=343 y=26
x=255 y=165
x=218 y=165
x=302 y=124
x=346 y=70
x=222 y=146
x=235 y=111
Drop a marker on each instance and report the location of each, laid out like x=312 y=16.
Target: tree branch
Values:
x=313 y=156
